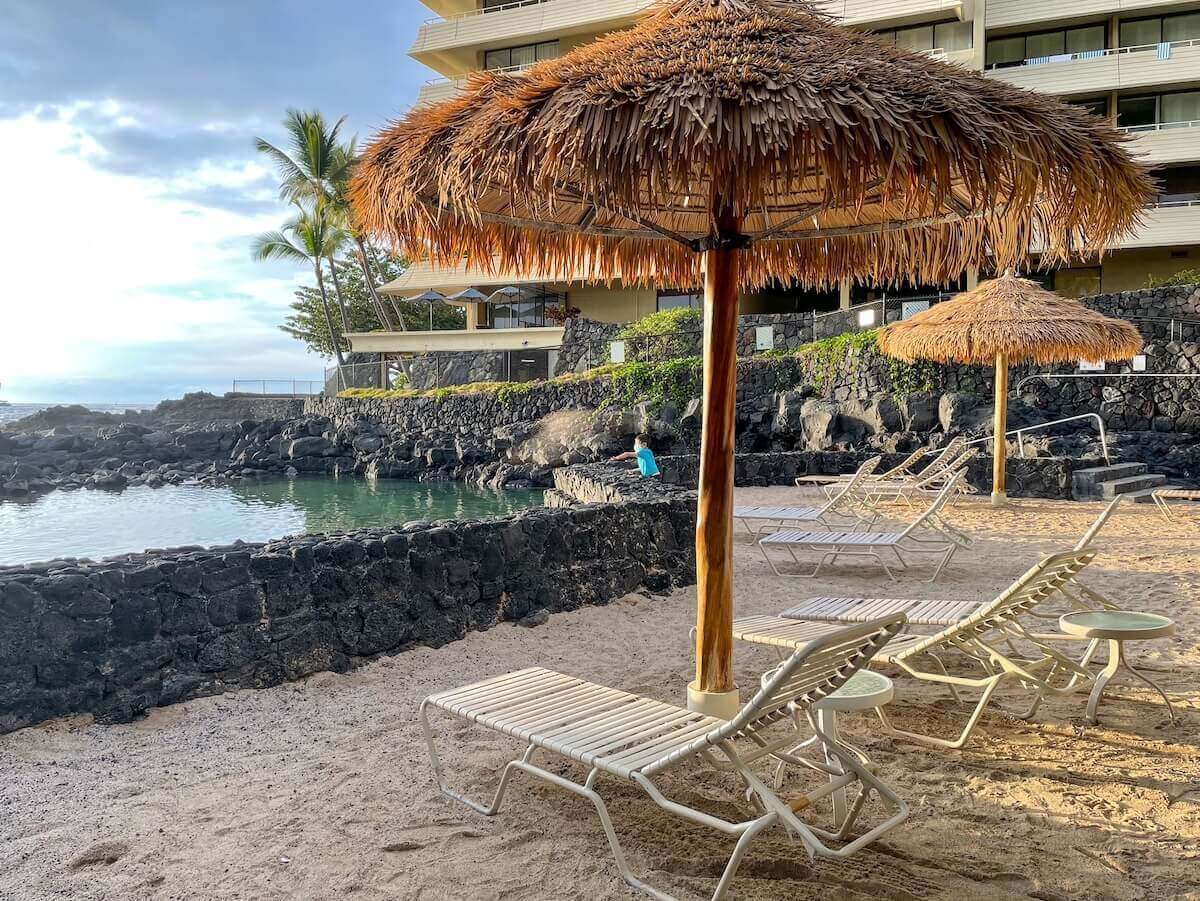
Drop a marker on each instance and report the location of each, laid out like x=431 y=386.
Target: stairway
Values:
x=1103 y=483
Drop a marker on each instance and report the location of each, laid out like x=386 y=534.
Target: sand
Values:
x=321 y=789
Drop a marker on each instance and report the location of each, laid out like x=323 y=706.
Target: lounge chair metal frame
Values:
x=929 y=533
x=985 y=640
x=941 y=612
x=1162 y=495
x=843 y=503
x=622 y=735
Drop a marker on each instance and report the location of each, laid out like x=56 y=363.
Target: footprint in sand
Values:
x=99 y=854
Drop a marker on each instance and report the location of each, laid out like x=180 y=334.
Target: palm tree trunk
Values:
x=368 y=250
x=337 y=287
x=334 y=338
x=381 y=310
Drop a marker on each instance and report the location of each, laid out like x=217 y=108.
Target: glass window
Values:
x=919 y=39
x=1184 y=107
x=525 y=55
x=1184 y=27
x=1077 y=282
x=1083 y=40
x=951 y=36
x=1097 y=106
x=1052 y=43
x=1141 y=32
x=1137 y=111
x=1006 y=51
x=673 y=299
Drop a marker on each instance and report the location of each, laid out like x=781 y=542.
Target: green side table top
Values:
x=865 y=690
x=1116 y=625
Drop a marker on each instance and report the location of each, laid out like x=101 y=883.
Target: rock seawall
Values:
x=117 y=637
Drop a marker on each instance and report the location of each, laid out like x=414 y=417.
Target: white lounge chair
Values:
x=635 y=739
x=1162 y=495
x=928 y=533
x=758 y=518
x=831 y=484
x=943 y=612
x=929 y=481
x=986 y=640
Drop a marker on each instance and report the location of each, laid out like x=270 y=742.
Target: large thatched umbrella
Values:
x=1009 y=320
x=737 y=141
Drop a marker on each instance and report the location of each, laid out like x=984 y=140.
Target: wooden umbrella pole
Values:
x=999 y=428
x=713 y=692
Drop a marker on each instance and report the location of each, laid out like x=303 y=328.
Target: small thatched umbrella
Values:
x=1009 y=320
x=732 y=142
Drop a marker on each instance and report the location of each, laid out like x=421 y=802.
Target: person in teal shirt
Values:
x=641 y=452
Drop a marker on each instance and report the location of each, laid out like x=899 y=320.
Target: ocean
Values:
x=19 y=411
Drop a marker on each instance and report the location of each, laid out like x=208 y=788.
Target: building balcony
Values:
x=1013 y=13
x=458 y=341
x=1093 y=71
x=451 y=45
x=1168 y=224
x=1167 y=142
x=894 y=12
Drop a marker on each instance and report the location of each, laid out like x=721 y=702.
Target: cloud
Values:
x=132 y=127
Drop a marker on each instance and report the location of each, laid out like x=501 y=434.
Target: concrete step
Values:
x=1149 y=480
x=1145 y=495
x=1085 y=484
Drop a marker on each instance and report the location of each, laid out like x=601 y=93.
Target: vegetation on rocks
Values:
x=826 y=358
x=667 y=334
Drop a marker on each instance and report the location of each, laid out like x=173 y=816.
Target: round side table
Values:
x=865 y=690
x=1117 y=627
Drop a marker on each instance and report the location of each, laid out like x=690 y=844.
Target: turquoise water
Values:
x=99 y=524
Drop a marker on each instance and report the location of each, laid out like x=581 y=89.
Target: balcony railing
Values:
x=1159 y=126
x=483 y=11
x=1164 y=51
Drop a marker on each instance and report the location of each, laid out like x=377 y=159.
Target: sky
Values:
x=133 y=190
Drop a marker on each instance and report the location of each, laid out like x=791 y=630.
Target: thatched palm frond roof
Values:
x=1015 y=317
x=838 y=155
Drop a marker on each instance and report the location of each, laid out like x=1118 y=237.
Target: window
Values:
x=674 y=298
x=948 y=36
x=1180 y=108
x=1137 y=112
x=1141 y=32
x=532 y=308
x=1097 y=106
x=1017 y=50
x=951 y=36
x=1177 y=108
x=1160 y=29
x=1183 y=27
x=1077 y=282
x=524 y=55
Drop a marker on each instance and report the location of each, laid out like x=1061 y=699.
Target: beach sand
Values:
x=322 y=789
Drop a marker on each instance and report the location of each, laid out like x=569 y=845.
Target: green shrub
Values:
x=1182 y=277
x=663 y=335
x=825 y=358
x=672 y=380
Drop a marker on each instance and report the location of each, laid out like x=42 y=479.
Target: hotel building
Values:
x=1135 y=61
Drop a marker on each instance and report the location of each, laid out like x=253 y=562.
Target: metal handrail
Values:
x=1092 y=54
x=1159 y=126
x=1172 y=204
x=242 y=386
x=1103 y=375
x=1020 y=433
x=462 y=79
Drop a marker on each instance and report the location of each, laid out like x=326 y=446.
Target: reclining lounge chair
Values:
x=624 y=736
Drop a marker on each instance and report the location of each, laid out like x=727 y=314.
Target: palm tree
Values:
x=310 y=237
x=318 y=168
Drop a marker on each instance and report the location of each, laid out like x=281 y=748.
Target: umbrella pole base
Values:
x=723 y=705
x=1000 y=499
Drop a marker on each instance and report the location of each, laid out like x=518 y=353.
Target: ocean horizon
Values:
x=14 y=411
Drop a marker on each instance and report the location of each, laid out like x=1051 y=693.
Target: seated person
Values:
x=641 y=452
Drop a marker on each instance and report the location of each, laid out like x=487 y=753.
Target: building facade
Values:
x=1134 y=61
